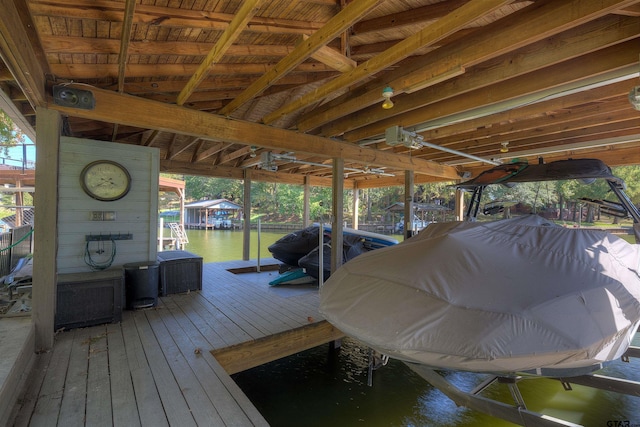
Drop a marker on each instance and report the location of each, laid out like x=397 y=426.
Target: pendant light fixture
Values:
x=387 y=93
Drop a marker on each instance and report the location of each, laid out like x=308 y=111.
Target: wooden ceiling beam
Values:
x=164 y=16
x=573 y=43
x=217 y=83
x=575 y=140
x=248 y=8
x=216 y=148
x=100 y=71
x=429 y=35
x=580 y=118
x=541 y=108
x=418 y=15
x=134 y=111
x=19 y=53
x=82 y=45
x=633 y=10
x=244 y=151
x=151 y=139
x=556 y=137
x=210 y=95
x=183 y=146
x=125 y=38
x=332 y=58
x=172 y=166
x=336 y=25
x=619 y=58
x=529 y=25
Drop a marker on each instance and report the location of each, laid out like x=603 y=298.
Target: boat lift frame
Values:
x=518 y=413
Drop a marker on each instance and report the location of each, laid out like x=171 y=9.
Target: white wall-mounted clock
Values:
x=105 y=180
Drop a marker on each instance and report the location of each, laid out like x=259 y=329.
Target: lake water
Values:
x=322 y=388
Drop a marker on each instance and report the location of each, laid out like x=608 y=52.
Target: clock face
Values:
x=105 y=180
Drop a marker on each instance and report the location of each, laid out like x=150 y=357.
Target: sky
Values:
x=16 y=154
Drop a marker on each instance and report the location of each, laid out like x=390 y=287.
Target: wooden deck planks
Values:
x=73 y=406
x=123 y=398
x=149 y=406
x=99 y=406
x=175 y=407
x=206 y=369
x=194 y=395
x=155 y=368
x=50 y=396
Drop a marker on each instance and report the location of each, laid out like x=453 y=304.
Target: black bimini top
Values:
x=553 y=171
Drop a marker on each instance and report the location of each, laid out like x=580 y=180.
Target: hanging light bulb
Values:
x=387 y=93
x=505 y=147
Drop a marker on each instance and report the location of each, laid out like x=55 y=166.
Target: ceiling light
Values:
x=505 y=147
x=387 y=93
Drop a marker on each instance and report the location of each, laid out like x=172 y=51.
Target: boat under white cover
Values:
x=516 y=295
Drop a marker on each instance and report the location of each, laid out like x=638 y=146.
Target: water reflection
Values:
x=317 y=388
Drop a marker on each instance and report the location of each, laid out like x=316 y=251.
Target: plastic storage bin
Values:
x=180 y=271
x=141 y=284
x=88 y=299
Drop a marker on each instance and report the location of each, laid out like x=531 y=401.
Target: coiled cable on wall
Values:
x=94 y=265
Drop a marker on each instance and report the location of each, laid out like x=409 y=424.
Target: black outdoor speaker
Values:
x=73 y=97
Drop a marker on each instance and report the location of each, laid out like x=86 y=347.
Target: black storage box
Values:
x=88 y=299
x=180 y=271
x=141 y=284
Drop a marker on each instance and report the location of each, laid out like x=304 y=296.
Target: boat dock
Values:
x=170 y=365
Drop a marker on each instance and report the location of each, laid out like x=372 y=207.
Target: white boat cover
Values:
x=516 y=295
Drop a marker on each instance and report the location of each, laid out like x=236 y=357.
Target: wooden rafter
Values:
x=428 y=13
x=151 y=138
x=95 y=71
x=80 y=45
x=125 y=37
x=17 y=50
x=124 y=109
x=430 y=34
x=354 y=11
x=166 y=16
x=533 y=110
x=581 y=40
x=247 y=10
x=332 y=58
x=622 y=57
x=527 y=26
x=213 y=150
x=184 y=146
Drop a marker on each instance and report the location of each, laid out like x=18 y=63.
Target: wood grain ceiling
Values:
x=214 y=83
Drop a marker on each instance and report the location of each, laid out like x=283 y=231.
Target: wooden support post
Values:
x=45 y=226
x=246 y=231
x=337 y=198
x=408 y=204
x=356 y=205
x=306 y=212
x=459 y=205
